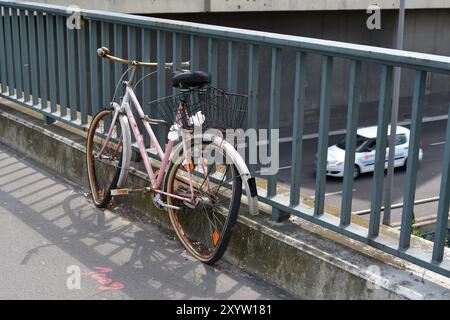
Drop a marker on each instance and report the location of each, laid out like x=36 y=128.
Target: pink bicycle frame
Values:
x=156 y=180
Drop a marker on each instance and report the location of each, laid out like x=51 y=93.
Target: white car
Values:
x=365 y=152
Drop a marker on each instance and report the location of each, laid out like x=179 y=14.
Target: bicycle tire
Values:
x=190 y=238
x=96 y=168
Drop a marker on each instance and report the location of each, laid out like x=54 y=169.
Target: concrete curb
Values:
x=292 y=255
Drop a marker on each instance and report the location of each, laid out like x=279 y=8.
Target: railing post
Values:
x=25 y=56
x=42 y=46
x=194 y=53
x=3 y=70
x=118 y=67
x=324 y=128
x=212 y=60
x=384 y=116
x=33 y=58
x=412 y=160
x=106 y=73
x=253 y=93
x=297 y=130
x=350 y=141
x=444 y=200
x=71 y=74
x=93 y=64
x=16 y=49
x=9 y=51
x=274 y=124
x=81 y=33
x=161 y=76
x=232 y=66
x=62 y=73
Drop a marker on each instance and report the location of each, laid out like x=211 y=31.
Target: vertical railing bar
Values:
x=3 y=62
x=413 y=159
x=253 y=93
x=297 y=130
x=194 y=53
x=176 y=54
x=82 y=77
x=161 y=77
x=350 y=141
x=212 y=60
x=33 y=58
x=17 y=54
x=146 y=83
x=384 y=116
x=131 y=47
x=444 y=200
x=274 y=112
x=42 y=56
x=324 y=128
x=176 y=50
x=51 y=61
x=95 y=88
x=71 y=74
x=106 y=74
x=62 y=80
x=232 y=66
x=9 y=51
x=25 y=56
x=118 y=67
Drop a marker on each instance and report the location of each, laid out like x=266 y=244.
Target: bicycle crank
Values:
x=159 y=203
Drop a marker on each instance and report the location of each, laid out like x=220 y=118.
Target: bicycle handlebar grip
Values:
x=103 y=51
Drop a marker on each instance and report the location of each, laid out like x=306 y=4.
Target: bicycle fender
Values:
x=248 y=182
x=126 y=147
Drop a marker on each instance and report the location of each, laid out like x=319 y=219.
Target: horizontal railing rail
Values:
x=53 y=69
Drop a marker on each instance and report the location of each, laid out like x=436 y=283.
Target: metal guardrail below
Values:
x=55 y=70
x=398 y=205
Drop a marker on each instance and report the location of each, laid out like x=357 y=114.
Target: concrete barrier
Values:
x=304 y=259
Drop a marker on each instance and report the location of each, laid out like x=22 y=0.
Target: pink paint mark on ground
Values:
x=113 y=286
x=101 y=278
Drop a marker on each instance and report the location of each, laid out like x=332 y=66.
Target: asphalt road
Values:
x=428 y=179
x=54 y=244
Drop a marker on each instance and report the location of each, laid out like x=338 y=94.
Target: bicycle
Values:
x=202 y=190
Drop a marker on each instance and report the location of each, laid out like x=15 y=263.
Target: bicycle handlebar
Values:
x=106 y=53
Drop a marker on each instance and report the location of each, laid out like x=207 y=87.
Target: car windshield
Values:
x=360 y=143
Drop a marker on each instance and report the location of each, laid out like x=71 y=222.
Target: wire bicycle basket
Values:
x=207 y=107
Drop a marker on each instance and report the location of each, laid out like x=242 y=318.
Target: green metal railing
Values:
x=55 y=70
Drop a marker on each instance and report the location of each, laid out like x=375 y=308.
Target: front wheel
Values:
x=103 y=157
x=204 y=226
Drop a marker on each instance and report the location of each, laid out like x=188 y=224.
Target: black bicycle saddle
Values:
x=190 y=79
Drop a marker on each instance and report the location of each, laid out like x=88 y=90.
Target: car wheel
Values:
x=356 y=172
x=405 y=164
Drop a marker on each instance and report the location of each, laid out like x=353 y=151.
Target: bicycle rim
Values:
x=205 y=229
x=103 y=169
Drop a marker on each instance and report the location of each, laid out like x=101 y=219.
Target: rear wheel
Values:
x=204 y=226
x=103 y=157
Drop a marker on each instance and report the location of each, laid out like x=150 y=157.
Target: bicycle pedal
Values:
x=161 y=204
x=120 y=192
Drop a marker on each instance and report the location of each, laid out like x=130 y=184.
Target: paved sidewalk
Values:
x=50 y=231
